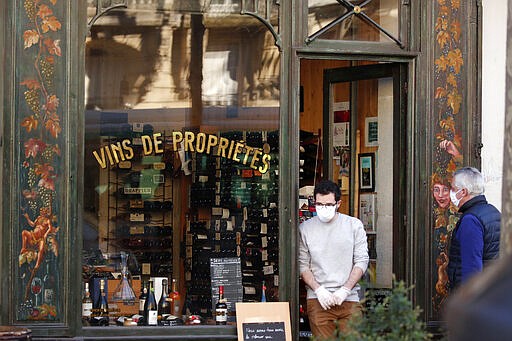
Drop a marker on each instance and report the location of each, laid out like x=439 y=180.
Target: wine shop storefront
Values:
x=169 y=148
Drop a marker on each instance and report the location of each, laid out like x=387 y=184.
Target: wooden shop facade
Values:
x=145 y=140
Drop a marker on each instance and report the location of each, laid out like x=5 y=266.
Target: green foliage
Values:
x=392 y=319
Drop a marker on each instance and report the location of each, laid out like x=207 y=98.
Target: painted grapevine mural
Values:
x=447 y=148
x=40 y=132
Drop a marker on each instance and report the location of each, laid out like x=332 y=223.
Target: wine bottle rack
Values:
x=141 y=209
x=243 y=221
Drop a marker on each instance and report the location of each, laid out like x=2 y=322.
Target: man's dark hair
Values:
x=326 y=187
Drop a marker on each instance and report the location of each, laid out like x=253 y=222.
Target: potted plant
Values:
x=392 y=318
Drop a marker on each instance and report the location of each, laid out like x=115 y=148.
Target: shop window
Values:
x=181 y=162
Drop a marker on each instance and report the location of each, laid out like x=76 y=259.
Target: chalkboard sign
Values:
x=263 y=321
x=264 y=331
x=226 y=272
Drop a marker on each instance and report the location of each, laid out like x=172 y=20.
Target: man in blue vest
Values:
x=476 y=238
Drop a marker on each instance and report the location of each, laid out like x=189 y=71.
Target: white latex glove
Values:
x=325 y=298
x=341 y=295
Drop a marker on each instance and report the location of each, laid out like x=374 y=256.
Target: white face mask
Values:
x=453 y=197
x=325 y=214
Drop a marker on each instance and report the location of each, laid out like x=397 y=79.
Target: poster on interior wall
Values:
x=342 y=154
x=367 y=206
x=341 y=135
x=371 y=132
x=341 y=112
x=341 y=128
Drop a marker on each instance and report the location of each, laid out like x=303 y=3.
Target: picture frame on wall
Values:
x=367 y=172
x=371 y=135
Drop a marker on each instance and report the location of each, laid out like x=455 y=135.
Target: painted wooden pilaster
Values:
x=449 y=134
x=41 y=152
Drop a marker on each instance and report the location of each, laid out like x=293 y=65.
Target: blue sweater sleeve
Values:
x=471 y=238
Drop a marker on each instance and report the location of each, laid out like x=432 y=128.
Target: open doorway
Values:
x=353 y=132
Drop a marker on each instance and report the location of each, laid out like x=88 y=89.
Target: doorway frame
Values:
x=398 y=72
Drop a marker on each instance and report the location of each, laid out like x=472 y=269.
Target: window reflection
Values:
x=181 y=158
x=383 y=12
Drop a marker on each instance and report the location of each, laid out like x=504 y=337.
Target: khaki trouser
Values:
x=322 y=321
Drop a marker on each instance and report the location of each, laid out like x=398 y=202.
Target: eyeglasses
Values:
x=326 y=205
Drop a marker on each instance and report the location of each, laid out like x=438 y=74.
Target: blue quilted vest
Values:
x=490 y=218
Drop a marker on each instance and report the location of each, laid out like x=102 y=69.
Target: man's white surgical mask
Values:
x=453 y=197
x=326 y=213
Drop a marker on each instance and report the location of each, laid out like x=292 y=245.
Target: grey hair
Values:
x=469 y=178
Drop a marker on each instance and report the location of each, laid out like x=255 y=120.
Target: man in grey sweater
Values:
x=333 y=256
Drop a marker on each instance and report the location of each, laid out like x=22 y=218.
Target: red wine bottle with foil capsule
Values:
x=221 y=308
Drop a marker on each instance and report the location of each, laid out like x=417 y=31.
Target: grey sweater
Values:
x=331 y=250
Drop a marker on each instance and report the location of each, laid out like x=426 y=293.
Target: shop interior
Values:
x=347 y=136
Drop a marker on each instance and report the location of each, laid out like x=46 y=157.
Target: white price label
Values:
x=152 y=318
x=263 y=229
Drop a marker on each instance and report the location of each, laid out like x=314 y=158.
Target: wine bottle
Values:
x=142 y=298
x=101 y=307
x=86 y=304
x=164 y=306
x=150 y=307
x=175 y=299
x=303 y=320
x=221 y=308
